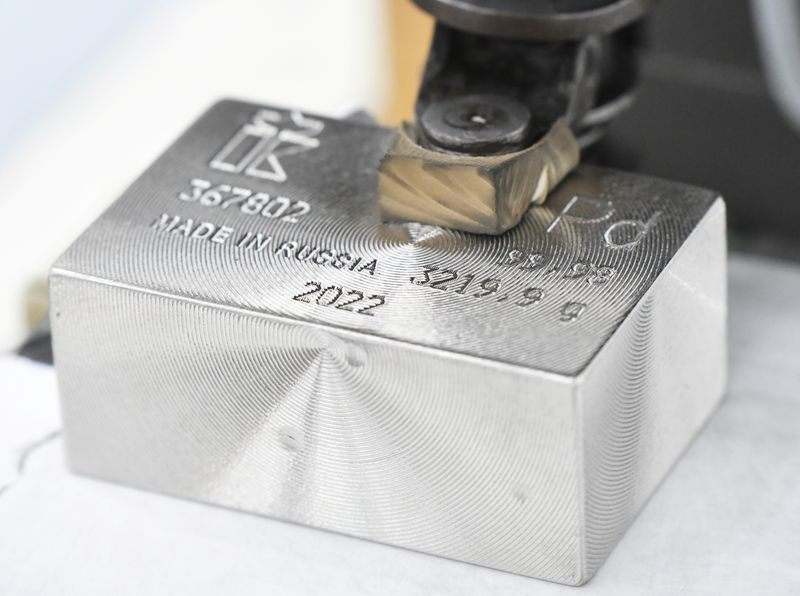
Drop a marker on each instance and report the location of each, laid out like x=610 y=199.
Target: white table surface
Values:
x=725 y=521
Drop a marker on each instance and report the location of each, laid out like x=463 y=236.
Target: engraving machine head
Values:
x=510 y=93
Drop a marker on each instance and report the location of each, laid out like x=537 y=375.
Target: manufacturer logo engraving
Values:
x=257 y=147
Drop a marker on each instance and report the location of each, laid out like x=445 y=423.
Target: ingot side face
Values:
x=241 y=328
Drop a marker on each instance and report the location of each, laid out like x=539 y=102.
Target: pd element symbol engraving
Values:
x=257 y=147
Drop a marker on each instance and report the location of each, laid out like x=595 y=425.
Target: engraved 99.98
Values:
x=448 y=280
x=542 y=264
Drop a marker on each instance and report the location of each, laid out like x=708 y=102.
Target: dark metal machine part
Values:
x=705 y=114
x=477 y=123
x=542 y=20
x=491 y=78
x=707 y=94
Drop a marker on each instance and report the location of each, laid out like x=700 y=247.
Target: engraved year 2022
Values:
x=339 y=298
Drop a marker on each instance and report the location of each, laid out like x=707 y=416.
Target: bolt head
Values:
x=477 y=124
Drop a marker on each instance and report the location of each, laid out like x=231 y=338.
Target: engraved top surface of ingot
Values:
x=274 y=211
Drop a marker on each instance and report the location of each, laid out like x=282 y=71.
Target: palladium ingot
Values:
x=241 y=328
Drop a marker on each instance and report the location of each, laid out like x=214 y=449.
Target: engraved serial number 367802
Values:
x=249 y=202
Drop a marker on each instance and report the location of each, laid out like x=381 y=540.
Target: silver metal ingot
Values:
x=240 y=328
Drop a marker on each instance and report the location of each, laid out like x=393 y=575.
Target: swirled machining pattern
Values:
x=340 y=185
